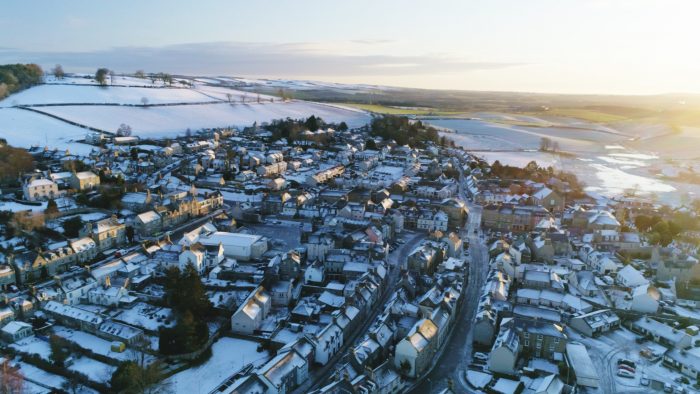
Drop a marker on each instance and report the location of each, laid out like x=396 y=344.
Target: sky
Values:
x=560 y=46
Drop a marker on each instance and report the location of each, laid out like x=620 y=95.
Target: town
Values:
x=305 y=257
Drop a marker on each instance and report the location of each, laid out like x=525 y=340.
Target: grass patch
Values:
x=591 y=115
x=389 y=110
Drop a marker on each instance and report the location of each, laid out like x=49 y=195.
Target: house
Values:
x=505 y=350
x=16 y=330
x=549 y=199
x=580 y=363
x=193 y=254
x=239 y=246
x=74 y=317
x=666 y=335
x=281 y=293
x=148 y=223
x=645 y=298
x=595 y=323
x=284 y=372
x=630 y=277
x=85 y=180
x=414 y=353
x=253 y=310
x=687 y=361
x=39 y=189
x=107 y=233
x=328 y=342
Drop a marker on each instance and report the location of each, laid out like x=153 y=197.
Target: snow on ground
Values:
x=66 y=94
x=35 y=374
x=146 y=316
x=24 y=128
x=96 y=371
x=228 y=356
x=17 y=207
x=221 y=93
x=94 y=344
x=175 y=120
x=33 y=345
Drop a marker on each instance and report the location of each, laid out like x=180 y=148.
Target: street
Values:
x=453 y=362
x=320 y=376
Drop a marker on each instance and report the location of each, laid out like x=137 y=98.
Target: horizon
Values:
x=597 y=47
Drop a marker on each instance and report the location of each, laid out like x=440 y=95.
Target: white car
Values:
x=625 y=373
x=481 y=356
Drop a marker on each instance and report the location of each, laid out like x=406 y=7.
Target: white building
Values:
x=252 y=312
x=40 y=189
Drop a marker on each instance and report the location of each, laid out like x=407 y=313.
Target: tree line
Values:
x=404 y=131
x=15 y=77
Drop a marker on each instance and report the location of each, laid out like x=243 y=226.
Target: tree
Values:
x=124 y=130
x=51 y=207
x=545 y=144
x=130 y=233
x=13 y=162
x=229 y=96
x=140 y=74
x=134 y=153
x=312 y=123
x=59 y=352
x=58 y=72
x=101 y=76
x=370 y=144
x=11 y=379
x=144 y=101
x=343 y=126
x=72 y=226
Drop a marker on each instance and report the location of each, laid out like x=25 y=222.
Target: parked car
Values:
x=625 y=374
x=627 y=362
x=668 y=388
x=626 y=368
x=481 y=356
x=644 y=381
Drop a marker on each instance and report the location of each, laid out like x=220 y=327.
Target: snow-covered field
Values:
x=24 y=128
x=67 y=94
x=175 y=120
x=228 y=356
x=33 y=345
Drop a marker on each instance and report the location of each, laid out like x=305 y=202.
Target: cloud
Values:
x=291 y=60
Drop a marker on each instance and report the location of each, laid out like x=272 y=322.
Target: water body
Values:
x=603 y=162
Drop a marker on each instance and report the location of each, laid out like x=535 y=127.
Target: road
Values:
x=320 y=376
x=453 y=362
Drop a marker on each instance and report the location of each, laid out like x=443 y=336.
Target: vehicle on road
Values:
x=644 y=381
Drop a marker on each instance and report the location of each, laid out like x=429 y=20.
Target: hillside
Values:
x=59 y=112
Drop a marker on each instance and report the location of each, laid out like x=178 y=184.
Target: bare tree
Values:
x=545 y=144
x=124 y=130
x=229 y=96
x=111 y=77
x=245 y=96
x=144 y=101
x=58 y=72
x=140 y=74
x=11 y=380
x=101 y=76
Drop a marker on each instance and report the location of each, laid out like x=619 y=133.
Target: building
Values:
x=16 y=330
x=85 y=180
x=239 y=246
x=252 y=312
x=39 y=189
x=595 y=323
x=148 y=224
x=414 y=353
x=580 y=363
x=666 y=335
x=107 y=233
